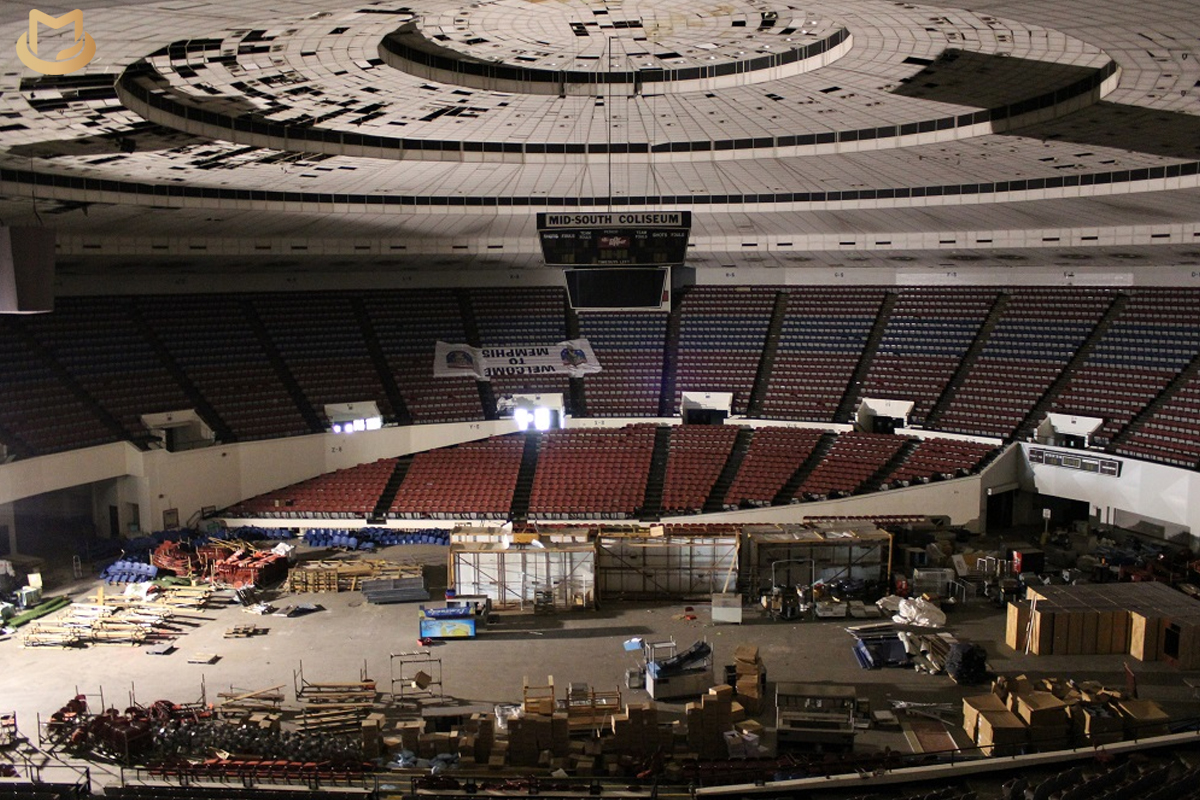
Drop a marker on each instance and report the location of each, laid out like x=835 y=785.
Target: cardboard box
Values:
x=1051 y=737
x=1092 y=720
x=1143 y=718
x=973 y=706
x=1000 y=733
x=750 y=726
x=746 y=653
x=1041 y=709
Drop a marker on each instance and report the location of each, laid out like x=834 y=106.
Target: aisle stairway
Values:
x=788 y=491
x=968 y=361
x=652 y=507
x=380 y=512
x=529 y=459
x=716 y=499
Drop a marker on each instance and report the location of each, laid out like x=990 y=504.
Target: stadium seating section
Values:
x=774 y=456
x=475 y=479
x=972 y=360
x=589 y=474
x=605 y=474
x=697 y=455
x=348 y=493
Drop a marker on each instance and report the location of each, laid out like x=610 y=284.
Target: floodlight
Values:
x=523 y=418
x=541 y=418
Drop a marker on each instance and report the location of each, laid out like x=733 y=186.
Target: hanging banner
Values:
x=573 y=358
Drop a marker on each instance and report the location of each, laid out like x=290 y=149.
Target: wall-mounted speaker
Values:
x=26 y=270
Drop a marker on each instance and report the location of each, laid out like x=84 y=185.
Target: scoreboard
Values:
x=614 y=239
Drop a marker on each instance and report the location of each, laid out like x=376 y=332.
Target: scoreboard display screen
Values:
x=614 y=239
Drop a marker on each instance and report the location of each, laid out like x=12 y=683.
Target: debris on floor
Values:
x=245 y=631
x=1053 y=714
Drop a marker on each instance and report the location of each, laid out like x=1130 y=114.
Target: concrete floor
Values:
x=335 y=644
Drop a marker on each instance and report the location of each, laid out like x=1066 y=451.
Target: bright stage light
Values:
x=541 y=418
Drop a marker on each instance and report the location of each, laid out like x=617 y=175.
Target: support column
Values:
x=8 y=521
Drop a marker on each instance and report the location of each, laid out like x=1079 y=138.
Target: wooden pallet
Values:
x=245 y=631
x=346 y=576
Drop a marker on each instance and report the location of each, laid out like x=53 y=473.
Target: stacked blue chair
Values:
x=370 y=538
x=127 y=570
x=330 y=537
x=253 y=533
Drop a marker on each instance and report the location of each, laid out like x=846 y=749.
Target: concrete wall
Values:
x=963 y=500
x=50 y=473
x=144 y=484
x=1166 y=498
x=828 y=269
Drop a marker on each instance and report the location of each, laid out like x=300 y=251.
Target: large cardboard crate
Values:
x=1179 y=642
x=1096 y=724
x=1143 y=636
x=1001 y=733
x=1041 y=709
x=1043 y=632
x=976 y=704
x=1017 y=626
x=1143 y=718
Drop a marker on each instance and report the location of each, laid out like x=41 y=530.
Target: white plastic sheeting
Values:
x=922 y=613
x=511 y=576
x=666 y=566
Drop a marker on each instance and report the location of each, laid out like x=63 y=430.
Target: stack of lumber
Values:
x=90 y=623
x=186 y=596
x=237 y=705
x=1149 y=621
x=334 y=707
x=347 y=576
x=1053 y=714
x=175 y=597
x=707 y=722
x=751 y=677
x=395 y=590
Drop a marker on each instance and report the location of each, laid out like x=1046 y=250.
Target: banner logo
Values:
x=72 y=58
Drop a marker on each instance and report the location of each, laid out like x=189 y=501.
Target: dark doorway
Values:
x=704 y=416
x=1000 y=510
